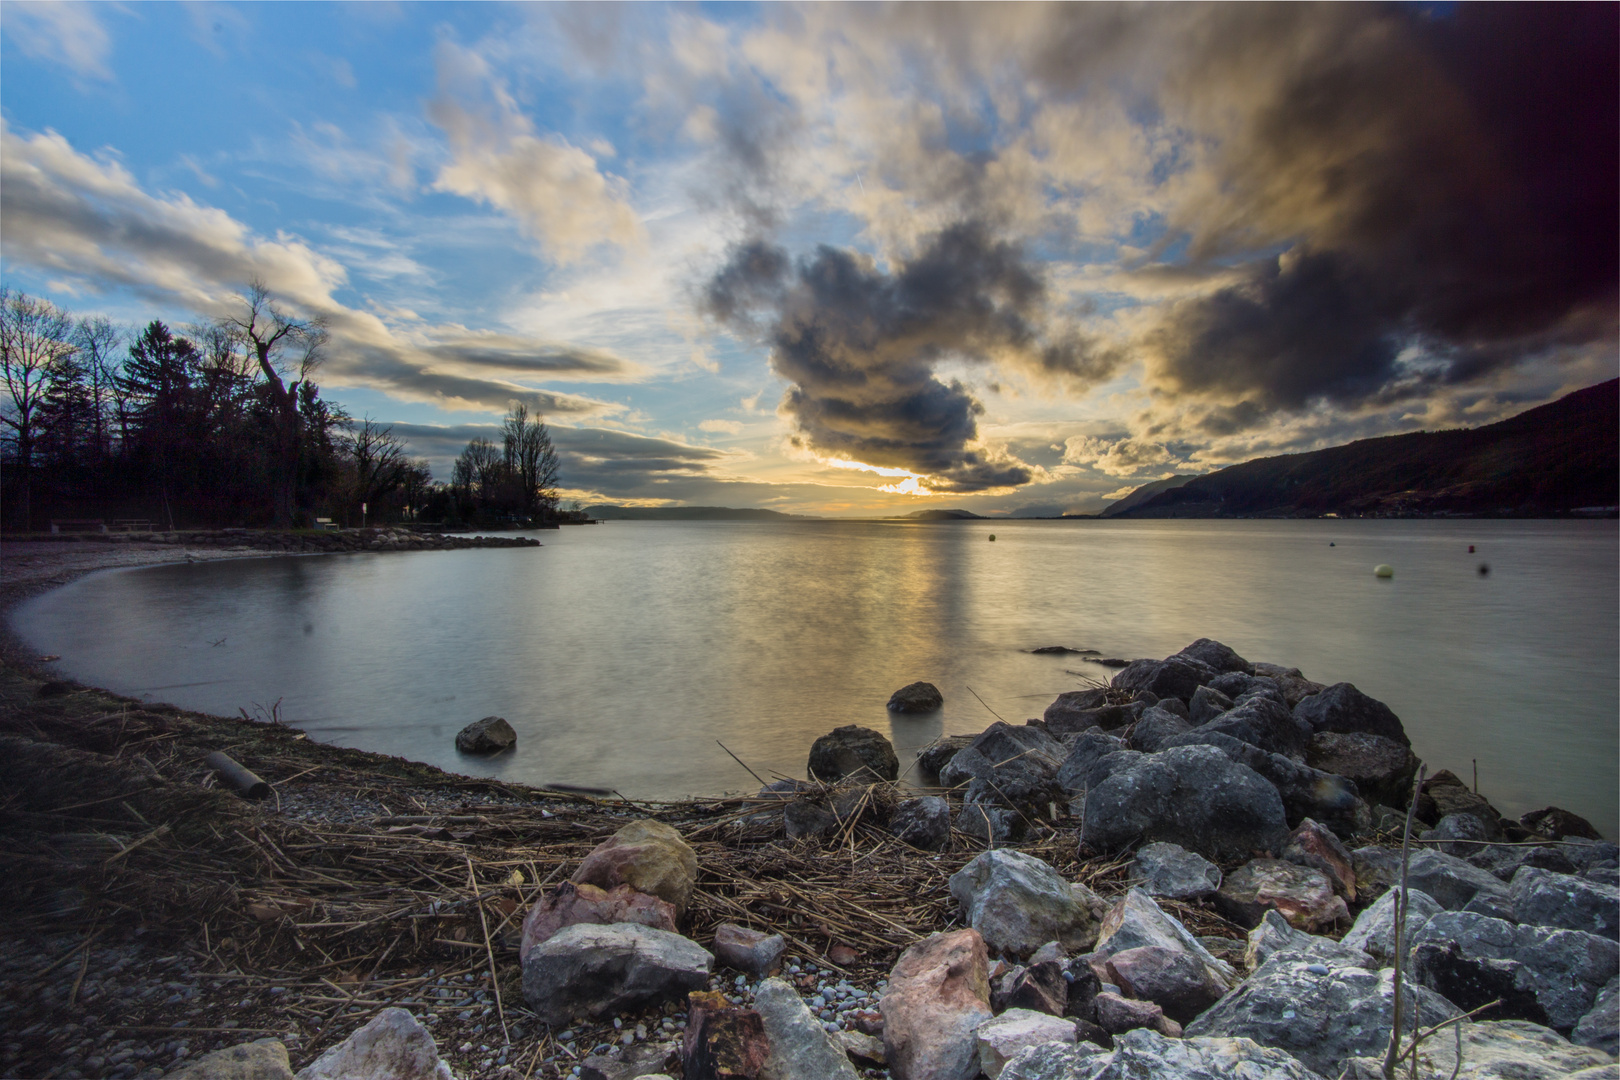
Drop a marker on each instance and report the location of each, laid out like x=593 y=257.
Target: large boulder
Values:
x=1164 y=678
x=1002 y=1037
x=1018 y=903
x=1085 y=750
x=490 y=735
x=1214 y=655
x=1014 y=766
x=1566 y=968
x=1382 y=767
x=595 y=971
x=392 y=1046
x=1274 y=938
x=923 y=822
x=1305 y=792
x=1322 y=1015
x=1374 y=929
x=1344 y=709
x=1453 y=883
x=917 y=697
x=1543 y=898
x=1600 y=1027
x=1488 y=989
x=1263 y=721
x=1193 y=796
x=646 y=855
x=1174 y=979
x=1135 y=922
x=1302 y=895
x=938 y=995
x=854 y=751
x=1174 y=872
x=800 y=1048
x=570 y=904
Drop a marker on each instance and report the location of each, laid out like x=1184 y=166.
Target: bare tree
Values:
x=380 y=463
x=531 y=459
x=273 y=336
x=98 y=339
x=480 y=470
x=35 y=339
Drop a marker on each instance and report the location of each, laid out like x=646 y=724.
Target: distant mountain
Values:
x=1550 y=460
x=686 y=513
x=943 y=515
x=1144 y=493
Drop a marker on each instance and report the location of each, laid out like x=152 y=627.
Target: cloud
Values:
x=729 y=427
x=87 y=220
x=552 y=189
x=860 y=346
x=69 y=34
x=1120 y=457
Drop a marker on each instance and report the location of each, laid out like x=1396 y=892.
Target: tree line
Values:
x=220 y=424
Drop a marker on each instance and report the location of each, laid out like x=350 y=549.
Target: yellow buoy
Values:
x=1383 y=570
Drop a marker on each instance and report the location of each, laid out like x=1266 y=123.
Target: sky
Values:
x=847 y=260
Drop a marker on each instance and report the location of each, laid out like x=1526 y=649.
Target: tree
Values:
x=272 y=335
x=35 y=339
x=159 y=379
x=380 y=464
x=479 y=471
x=98 y=339
x=531 y=460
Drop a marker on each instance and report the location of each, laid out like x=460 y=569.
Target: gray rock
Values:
x=803 y=818
x=1382 y=768
x=853 y=750
x=1084 y=751
x=1504 y=860
x=1135 y=922
x=1061 y=720
x=1556 y=823
x=1172 y=978
x=1054 y=1061
x=1164 y=678
x=1305 y=792
x=749 y=951
x=1003 y=1037
x=1492 y=905
x=1543 y=898
x=1344 y=709
x=1470 y=829
x=263 y=1059
x=592 y=971
x=1156 y=725
x=917 y=697
x=644 y=1061
x=1018 y=765
x=1018 y=903
x=991 y=824
x=1566 y=967
x=1144 y=1054
x=1174 y=872
x=937 y=754
x=393 y=1046
x=1194 y=796
x=1450 y=881
x=1262 y=721
x=1207 y=704
x=1497 y=1050
x=490 y=735
x=1603 y=875
x=1586 y=854
x=1374 y=930
x=1489 y=989
x=1600 y=1027
x=1213 y=654
x=1323 y=1020
x=800 y=1048
x=1274 y=938
x=1302 y=894
x=922 y=822
x=1173 y=706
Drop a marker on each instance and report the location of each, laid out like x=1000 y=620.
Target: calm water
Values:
x=622 y=652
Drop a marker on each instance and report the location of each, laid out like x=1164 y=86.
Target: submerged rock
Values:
x=854 y=751
x=490 y=735
x=917 y=697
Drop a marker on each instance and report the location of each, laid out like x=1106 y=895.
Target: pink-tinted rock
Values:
x=646 y=855
x=1117 y=1015
x=938 y=995
x=749 y=951
x=1302 y=895
x=1316 y=846
x=722 y=1042
x=1038 y=988
x=571 y=904
x=1176 y=981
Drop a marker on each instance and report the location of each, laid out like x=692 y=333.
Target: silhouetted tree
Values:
x=530 y=460
x=34 y=341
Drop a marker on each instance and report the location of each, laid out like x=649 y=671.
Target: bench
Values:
x=78 y=525
x=132 y=525
x=326 y=523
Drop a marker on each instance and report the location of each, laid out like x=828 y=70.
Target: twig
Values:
x=992 y=712
x=739 y=761
x=1394 y=1053
x=489 y=950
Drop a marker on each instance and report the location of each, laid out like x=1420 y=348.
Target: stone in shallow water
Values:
x=916 y=697
x=853 y=750
x=490 y=735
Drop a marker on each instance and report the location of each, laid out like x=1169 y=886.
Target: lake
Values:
x=624 y=653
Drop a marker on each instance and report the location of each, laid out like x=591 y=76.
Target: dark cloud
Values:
x=860 y=346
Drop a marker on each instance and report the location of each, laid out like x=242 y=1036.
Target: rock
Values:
x=1214 y=655
x=1381 y=767
x=991 y=824
x=490 y=735
x=1207 y=703
x=1344 y=709
x=1173 y=979
x=1544 y=898
x=857 y=751
x=1374 y=931
x=1566 y=967
x=1018 y=903
x=749 y=951
x=1500 y=1050
x=592 y=971
x=1193 y=796
x=863 y=1048
x=1472 y=983
x=1084 y=986
x=392 y=1046
x=641 y=1062
x=917 y=697
x=570 y=904
x=1295 y=687
x=722 y=1042
x=1085 y=750
x=1444 y=794
x=1305 y=792
x=263 y=1059
x=1040 y=987
x=938 y=995
x=1274 y=937
x=1054 y=1061
x=1556 y=824
x=1155 y=726
x=800 y=1048
x=1504 y=860
x=1164 y=678
x=1262 y=721
x=937 y=754
x=923 y=822
x=1117 y=1015
x=1144 y=1054
x=1468 y=828
x=1174 y=872
x=646 y=855
x=1135 y=922
x=1001 y=1038
x=803 y=818
x=1588 y=854
x=1061 y=724
x=1316 y=847
x=1323 y=1020
x=1600 y=1027
x=1447 y=879
x=1018 y=764
x=1302 y=895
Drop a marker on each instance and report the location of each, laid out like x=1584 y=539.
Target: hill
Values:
x=1550 y=460
x=1144 y=493
x=942 y=515
x=686 y=513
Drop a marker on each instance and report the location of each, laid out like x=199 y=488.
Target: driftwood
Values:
x=246 y=782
